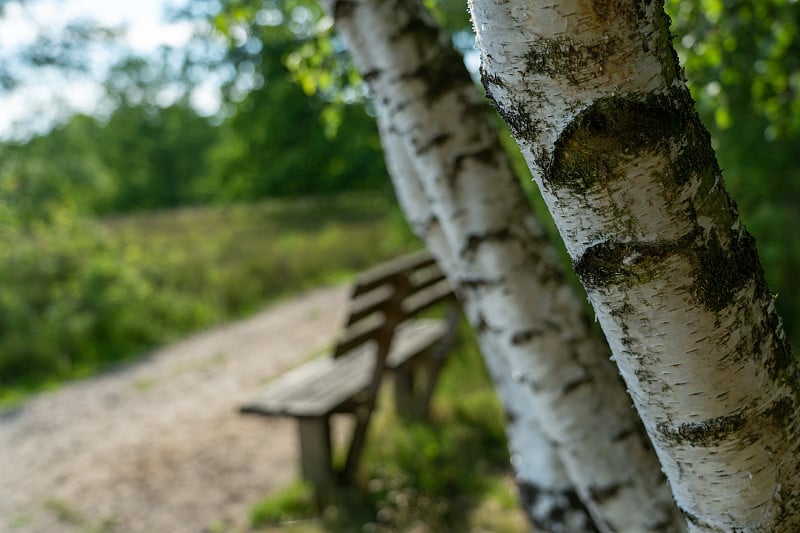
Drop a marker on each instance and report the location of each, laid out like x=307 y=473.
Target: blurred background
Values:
x=167 y=165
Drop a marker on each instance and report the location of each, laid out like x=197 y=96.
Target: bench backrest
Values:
x=387 y=295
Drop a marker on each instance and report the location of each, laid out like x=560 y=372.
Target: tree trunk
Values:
x=506 y=272
x=594 y=95
x=546 y=493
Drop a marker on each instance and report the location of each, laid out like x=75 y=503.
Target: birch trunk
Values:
x=506 y=272
x=594 y=95
x=546 y=493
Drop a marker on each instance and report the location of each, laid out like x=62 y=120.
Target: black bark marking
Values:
x=486 y=156
x=343 y=9
x=781 y=412
x=435 y=141
x=479 y=283
x=625 y=433
x=696 y=520
x=724 y=270
x=415 y=24
x=616 y=129
x=565 y=509
x=610 y=10
x=719 y=271
x=781 y=357
x=520 y=123
x=697 y=156
x=574 y=384
x=442 y=74
x=706 y=433
x=482 y=325
x=474 y=240
x=371 y=75
x=489 y=79
x=609 y=263
x=521 y=337
x=601 y=495
x=561 y=57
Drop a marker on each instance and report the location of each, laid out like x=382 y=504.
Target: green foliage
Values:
x=157 y=157
x=286 y=152
x=77 y=296
x=56 y=169
x=69 y=517
x=139 y=158
x=743 y=56
x=448 y=475
x=294 y=502
x=71 y=301
x=296 y=123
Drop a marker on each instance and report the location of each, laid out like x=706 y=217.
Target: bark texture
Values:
x=457 y=187
x=545 y=490
x=594 y=95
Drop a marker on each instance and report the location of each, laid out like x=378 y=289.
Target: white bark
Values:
x=546 y=493
x=593 y=94
x=506 y=271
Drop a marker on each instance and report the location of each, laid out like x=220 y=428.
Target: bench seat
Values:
x=326 y=385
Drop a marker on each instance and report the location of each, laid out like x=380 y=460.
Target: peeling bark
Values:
x=458 y=189
x=594 y=96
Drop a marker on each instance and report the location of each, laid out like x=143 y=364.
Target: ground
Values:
x=158 y=446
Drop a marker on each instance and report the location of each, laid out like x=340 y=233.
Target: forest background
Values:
x=132 y=225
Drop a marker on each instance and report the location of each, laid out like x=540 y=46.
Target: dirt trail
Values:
x=158 y=446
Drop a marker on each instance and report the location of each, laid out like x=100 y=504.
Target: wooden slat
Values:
x=318 y=388
x=365 y=330
x=414 y=338
x=324 y=385
x=427 y=298
x=426 y=276
x=369 y=303
x=379 y=275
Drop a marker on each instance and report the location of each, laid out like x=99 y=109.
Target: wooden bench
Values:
x=382 y=334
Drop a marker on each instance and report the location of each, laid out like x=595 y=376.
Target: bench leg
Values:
x=315 y=451
x=405 y=397
x=414 y=388
x=433 y=369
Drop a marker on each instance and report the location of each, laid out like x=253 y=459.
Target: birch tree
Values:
x=457 y=187
x=547 y=495
x=594 y=95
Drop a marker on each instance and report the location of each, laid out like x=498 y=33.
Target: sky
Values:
x=44 y=99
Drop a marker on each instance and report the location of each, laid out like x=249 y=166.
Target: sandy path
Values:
x=158 y=446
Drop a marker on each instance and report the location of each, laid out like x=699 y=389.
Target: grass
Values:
x=451 y=474
x=70 y=517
